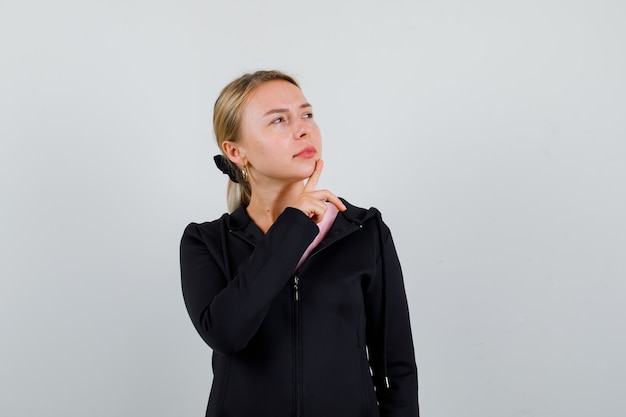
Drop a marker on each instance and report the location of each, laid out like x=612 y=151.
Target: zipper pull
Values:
x=296 y=292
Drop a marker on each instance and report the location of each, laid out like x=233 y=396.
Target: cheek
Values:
x=266 y=150
x=263 y=153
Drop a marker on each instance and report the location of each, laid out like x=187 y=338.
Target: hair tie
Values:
x=227 y=167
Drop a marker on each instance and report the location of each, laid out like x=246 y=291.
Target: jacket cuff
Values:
x=298 y=218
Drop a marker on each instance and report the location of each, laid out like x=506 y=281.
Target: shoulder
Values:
x=236 y=220
x=206 y=231
x=207 y=226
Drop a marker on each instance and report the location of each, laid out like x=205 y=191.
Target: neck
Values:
x=269 y=201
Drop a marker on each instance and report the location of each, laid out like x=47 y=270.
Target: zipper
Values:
x=296 y=289
x=297 y=346
x=297 y=324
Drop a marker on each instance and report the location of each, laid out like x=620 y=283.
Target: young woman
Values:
x=299 y=294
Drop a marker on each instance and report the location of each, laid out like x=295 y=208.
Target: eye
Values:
x=278 y=120
x=308 y=115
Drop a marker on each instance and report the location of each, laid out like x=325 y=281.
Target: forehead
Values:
x=275 y=94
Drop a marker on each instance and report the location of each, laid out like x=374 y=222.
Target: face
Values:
x=279 y=141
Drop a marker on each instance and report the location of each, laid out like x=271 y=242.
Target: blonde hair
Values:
x=227 y=116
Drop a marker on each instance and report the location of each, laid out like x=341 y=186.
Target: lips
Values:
x=308 y=152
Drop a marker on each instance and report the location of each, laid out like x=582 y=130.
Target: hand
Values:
x=312 y=201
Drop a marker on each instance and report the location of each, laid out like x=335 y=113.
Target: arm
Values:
x=227 y=311
x=387 y=312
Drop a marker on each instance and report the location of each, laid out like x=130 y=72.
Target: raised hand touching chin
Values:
x=312 y=201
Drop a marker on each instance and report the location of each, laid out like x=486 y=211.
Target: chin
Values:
x=309 y=170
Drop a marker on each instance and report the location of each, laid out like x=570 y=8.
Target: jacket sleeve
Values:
x=389 y=339
x=227 y=311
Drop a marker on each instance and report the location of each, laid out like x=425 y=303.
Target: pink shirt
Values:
x=324 y=226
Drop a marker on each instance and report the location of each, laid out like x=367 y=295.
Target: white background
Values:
x=491 y=134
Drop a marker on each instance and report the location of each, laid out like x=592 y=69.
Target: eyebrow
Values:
x=303 y=106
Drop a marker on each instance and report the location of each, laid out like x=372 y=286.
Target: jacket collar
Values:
x=347 y=221
x=356 y=214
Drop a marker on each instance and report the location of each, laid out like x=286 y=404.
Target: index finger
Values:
x=311 y=183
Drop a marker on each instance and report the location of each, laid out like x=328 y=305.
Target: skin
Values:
x=281 y=146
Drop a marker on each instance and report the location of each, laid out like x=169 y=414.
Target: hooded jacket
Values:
x=331 y=339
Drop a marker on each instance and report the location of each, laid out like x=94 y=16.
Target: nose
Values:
x=302 y=130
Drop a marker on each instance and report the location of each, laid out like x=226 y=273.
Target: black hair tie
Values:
x=227 y=167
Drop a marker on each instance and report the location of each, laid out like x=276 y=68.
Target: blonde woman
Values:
x=299 y=294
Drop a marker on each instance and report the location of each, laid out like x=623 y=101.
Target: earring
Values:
x=244 y=173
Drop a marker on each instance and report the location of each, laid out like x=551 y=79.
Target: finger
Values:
x=333 y=199
x=317 y=211
x=314 y=209
x=311 y=184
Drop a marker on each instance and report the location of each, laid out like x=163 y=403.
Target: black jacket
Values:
x=291 y=344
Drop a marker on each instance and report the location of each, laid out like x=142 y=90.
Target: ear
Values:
x=235 y=153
